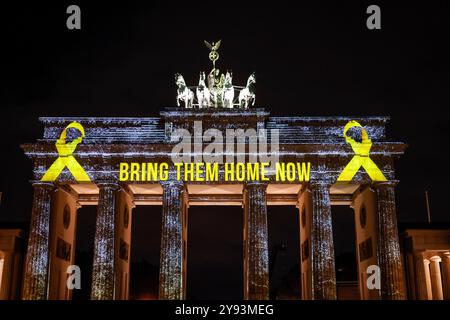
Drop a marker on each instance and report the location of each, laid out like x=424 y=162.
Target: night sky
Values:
x=314 y=59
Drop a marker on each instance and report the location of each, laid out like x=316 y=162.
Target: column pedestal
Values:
x=36 y=264
x=389 y=259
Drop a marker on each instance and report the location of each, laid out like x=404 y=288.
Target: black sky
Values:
x=317 y=58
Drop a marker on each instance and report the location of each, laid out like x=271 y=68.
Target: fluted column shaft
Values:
x=103 y=262
x=446 y=274
x=436 y=279
x=420 y=277
x=426 y=266
x=257 y=242
x=322 y=247
x=389 y=259
x=171 y=259
x=37 y=260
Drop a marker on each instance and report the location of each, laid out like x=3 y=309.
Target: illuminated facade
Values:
x=427 y=263
x=110 y=141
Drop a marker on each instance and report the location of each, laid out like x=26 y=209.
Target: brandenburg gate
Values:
x=342 y=170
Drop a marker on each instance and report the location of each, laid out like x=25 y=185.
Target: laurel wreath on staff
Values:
x=214 y=56
x=214 y=47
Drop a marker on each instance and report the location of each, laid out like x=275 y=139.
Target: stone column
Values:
x=256 y=257
x=419 y=272
x=322 y=247
x=446 y=274
x=103 y=262
x=389 y=259
x=426 y=266
x=171 y=286
x=36 y=264
x=436 y=280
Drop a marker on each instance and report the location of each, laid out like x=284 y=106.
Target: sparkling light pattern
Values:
x=37 y=261
x=171 y=260
x=322 y=248
x=110 y=141
x=389 y=258
x=317 y=139
x=103 y=264
x=257 y=252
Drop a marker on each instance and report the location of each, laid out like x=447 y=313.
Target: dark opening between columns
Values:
x=284 y=252
x=215 y=252
x=145 y=252
x=346 y=266
x=84 y=243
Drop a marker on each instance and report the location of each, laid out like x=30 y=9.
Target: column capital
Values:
x=426 y=261
x=435 y=259
x=446 y=255
x=172 y=183
x=318 y=184
x=385 y=184
x=256 y=184
x=107 y=184
x=43 y=184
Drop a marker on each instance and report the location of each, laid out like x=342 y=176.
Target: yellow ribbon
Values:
x=361 y=157
x=66 y=159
